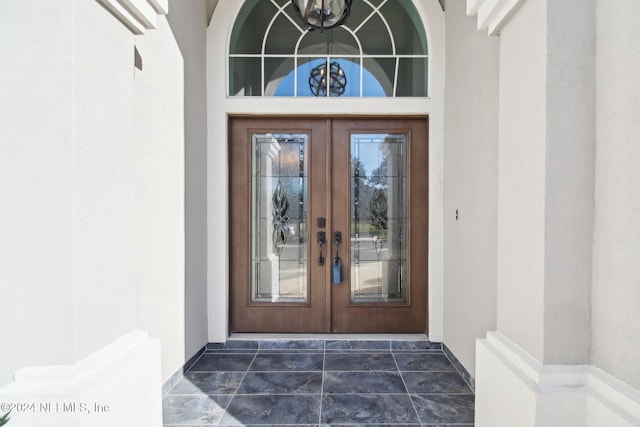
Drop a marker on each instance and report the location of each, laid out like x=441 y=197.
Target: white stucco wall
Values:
x=103 y=180
x=581 y=307
x=159 y=142
x=36 y=276
x=569 y=180
x=117 y=385
x=547 y=113
x=93 y=182
x=170 y=153
x=188 y=22
x=616 y=253
x=470 y=184
x=69 y=229
x=521 y=188
x=568 y=329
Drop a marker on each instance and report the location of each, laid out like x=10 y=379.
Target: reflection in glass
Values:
x=279 y=218
x=374 y=37
x=328 y=80
x=412 y=77
x=244 y=76
x=404 y=22
x=276 y=71
x=378 y=218
x=357 y=78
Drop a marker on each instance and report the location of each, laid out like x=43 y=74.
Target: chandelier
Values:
x=335 y=81
x=322 y=14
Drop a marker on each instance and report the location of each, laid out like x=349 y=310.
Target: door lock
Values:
x=337 y=238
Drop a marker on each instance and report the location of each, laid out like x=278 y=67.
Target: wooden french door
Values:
x=328 y=225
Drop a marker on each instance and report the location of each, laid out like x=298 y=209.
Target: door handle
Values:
x=322 y=239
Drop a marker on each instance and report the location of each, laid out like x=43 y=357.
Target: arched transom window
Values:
x=381 y=51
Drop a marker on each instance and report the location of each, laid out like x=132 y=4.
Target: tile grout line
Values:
x=235 y=393
x=216 y=370
x=415 y=410
x=324 y=361
x=325 y=351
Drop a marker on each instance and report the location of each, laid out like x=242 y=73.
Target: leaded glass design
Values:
x=382 y=49
x=378 y=218
x=281 y=231
x=279 y=218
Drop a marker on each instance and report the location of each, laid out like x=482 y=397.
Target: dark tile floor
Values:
x=321 y=383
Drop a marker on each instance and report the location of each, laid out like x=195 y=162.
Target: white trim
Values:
x=137 y=15
x=119 y=385
x=328 y=337
x=143 y=12
x=160 y=6
x=472 y=6
x=492 y=14
x=220 y=106
x=579 y=395
x=614 y=394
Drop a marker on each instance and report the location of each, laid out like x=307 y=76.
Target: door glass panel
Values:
x=378 y=218
x=279 y=218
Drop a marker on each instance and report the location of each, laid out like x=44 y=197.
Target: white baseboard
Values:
x=513 y=388
x=119 y=385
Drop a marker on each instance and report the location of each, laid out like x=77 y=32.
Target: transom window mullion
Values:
x=395 y=80
x=372 y=70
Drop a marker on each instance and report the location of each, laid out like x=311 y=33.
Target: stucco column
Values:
x=545 y=219
x=546 y=167
x=616 y=240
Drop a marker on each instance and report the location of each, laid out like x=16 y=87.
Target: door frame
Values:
x=219 y=106
x=239 y=199
x=217 y=275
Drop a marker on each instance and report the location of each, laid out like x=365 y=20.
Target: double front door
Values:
x=328 y=225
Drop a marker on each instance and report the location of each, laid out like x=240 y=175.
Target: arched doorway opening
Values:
x=222 y=104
